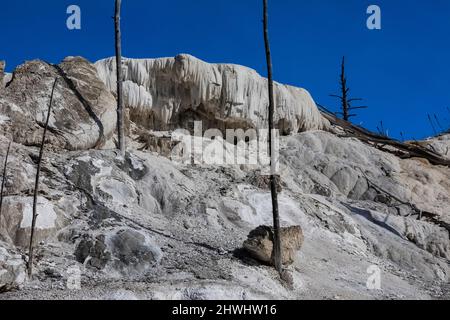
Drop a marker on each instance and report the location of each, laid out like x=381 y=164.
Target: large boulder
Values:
x=12 y=269
x=83 y=111
x=124 y=252
x=259 y=243
x=169 y=93
x=17 y=213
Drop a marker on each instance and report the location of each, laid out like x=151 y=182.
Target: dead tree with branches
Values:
x=120 y=111
x=273 y=180
x=4 y=179
x=346 y=101
x=36 y=184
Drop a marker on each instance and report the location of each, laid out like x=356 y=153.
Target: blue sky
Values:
x=402 y=71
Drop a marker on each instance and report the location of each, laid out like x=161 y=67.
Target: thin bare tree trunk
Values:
x=3 y=180
x=36 y=184
x=273 y=181
x=346 y=102
x=120 y=112
x=344 y=92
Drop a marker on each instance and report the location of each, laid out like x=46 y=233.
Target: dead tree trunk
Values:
x=405 y=150
x=344 y=91
x=36 y=184
x=120 y=111
x=273 y=181
x=4 y=180
x=346 y=106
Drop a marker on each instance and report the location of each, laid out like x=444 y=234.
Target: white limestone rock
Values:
x=165 y=93
x=83 y=111
x=17 y=213
x=343 y=166
x=439 y=144
x=12 y=269
x=122 y=252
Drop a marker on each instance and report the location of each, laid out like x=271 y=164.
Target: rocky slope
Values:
x=147 y=227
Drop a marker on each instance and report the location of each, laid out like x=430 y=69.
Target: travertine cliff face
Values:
x=165 y=93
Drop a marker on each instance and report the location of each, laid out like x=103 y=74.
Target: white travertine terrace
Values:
x=167 y=87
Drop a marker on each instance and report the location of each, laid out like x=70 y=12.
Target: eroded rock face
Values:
x=260 y=243
x=169 y=93
x=12 y=269
x=17 y=215
x=83 y=112
x=354 y=170
x=93 y=252
x=439 y=144
x=125 y=251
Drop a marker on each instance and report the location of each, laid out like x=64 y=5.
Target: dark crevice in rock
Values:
x=84 y=102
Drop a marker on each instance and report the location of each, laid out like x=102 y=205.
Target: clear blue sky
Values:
x=402 y=71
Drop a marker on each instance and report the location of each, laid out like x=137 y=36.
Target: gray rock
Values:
x=262 y=181
x=126 y=251
x=259 y=243
x=17 y=212
x=83 y=114
x=12 y=269
x=133 y=252
x=93 y=252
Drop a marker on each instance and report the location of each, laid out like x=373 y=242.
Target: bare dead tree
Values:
x=36 y=184
x=346 y=102
x=406 y=150
x=273 y=181
x=4 y=180
x=120 y=111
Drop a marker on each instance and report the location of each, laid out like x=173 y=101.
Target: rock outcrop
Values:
x=83 y=112
x=18 y=214
x=356 y=171
x=439 y=144
x=125 y=252
x=169 y=93
x=259 y=243
x=12 y=269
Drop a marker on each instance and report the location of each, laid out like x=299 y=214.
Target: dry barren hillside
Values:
x=150 y=227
